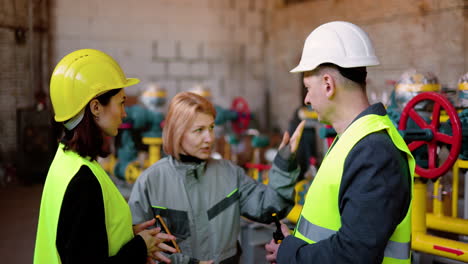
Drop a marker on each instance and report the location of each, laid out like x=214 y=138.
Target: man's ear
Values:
x=95 y=107
x=329 y=85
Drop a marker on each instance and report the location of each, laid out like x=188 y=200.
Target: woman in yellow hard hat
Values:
x=83 y=217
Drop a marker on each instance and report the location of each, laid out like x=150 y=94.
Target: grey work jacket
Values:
x=202 y=203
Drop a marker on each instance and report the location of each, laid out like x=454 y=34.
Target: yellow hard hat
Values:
x=79 y=77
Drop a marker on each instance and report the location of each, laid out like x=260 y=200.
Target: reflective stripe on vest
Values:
x=316 y=233
x=64 y=167
x=320 y=217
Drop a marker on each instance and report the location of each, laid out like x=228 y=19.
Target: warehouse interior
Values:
x=238 y=54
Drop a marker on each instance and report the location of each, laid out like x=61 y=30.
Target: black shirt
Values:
x=374 y=197
x=81 y=231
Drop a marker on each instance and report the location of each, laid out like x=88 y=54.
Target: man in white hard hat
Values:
x=357 y=210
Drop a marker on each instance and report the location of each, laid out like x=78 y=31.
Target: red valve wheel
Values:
x=260 y=167
x=126 y=126
x=434 y=171
x=240 y=106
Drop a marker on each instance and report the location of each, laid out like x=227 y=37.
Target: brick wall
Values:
x=23 y=67
x=235 y=47
x=428 y=35
x=175 y=43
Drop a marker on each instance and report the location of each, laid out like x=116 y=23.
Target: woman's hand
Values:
x=140 y=227
x=151 y=241
x=295 y=139
x=154 y=240
x=162 y=247
x=207 y=262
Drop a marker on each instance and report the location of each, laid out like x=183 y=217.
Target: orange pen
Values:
x=164 y=226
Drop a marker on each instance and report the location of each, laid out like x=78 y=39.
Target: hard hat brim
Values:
x=368 y=62
x=302 y=68
x=131 y=81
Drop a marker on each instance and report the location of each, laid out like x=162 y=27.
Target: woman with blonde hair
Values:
x=201 y=199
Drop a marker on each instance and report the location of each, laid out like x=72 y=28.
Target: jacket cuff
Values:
x=138 y=246
x=193 y=261
x=285 y=160
x=288 y=249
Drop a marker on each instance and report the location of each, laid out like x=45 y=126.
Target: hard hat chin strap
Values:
x=72 y=123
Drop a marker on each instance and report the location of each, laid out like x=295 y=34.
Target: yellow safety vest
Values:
x=117 y=212
x=320 y=217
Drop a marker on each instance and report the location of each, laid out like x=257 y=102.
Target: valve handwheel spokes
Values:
x=454 y=140
x=240 y=106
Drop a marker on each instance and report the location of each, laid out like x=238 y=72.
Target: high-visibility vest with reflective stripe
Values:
x=320 y=217
x=118 y=218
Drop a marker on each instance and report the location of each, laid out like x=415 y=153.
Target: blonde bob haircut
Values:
x=182 y=110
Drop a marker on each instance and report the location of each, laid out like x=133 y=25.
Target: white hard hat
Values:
x=341 y=43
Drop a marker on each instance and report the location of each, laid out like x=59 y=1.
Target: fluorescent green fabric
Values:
x=320 y=217
x=117 y=213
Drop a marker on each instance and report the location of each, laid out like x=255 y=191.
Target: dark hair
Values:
x=355 y=74
x=86 y=138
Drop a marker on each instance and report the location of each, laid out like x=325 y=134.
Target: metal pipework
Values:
x=437 y=220
x=154 y=148
x=423 y=242
x=417 y=134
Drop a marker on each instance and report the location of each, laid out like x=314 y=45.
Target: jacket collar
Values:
x=189 y=169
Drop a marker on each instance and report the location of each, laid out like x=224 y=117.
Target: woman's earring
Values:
x=96 y=118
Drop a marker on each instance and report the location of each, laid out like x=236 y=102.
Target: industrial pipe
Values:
x=423 y=242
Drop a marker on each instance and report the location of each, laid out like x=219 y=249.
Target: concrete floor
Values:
x=18 y=223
